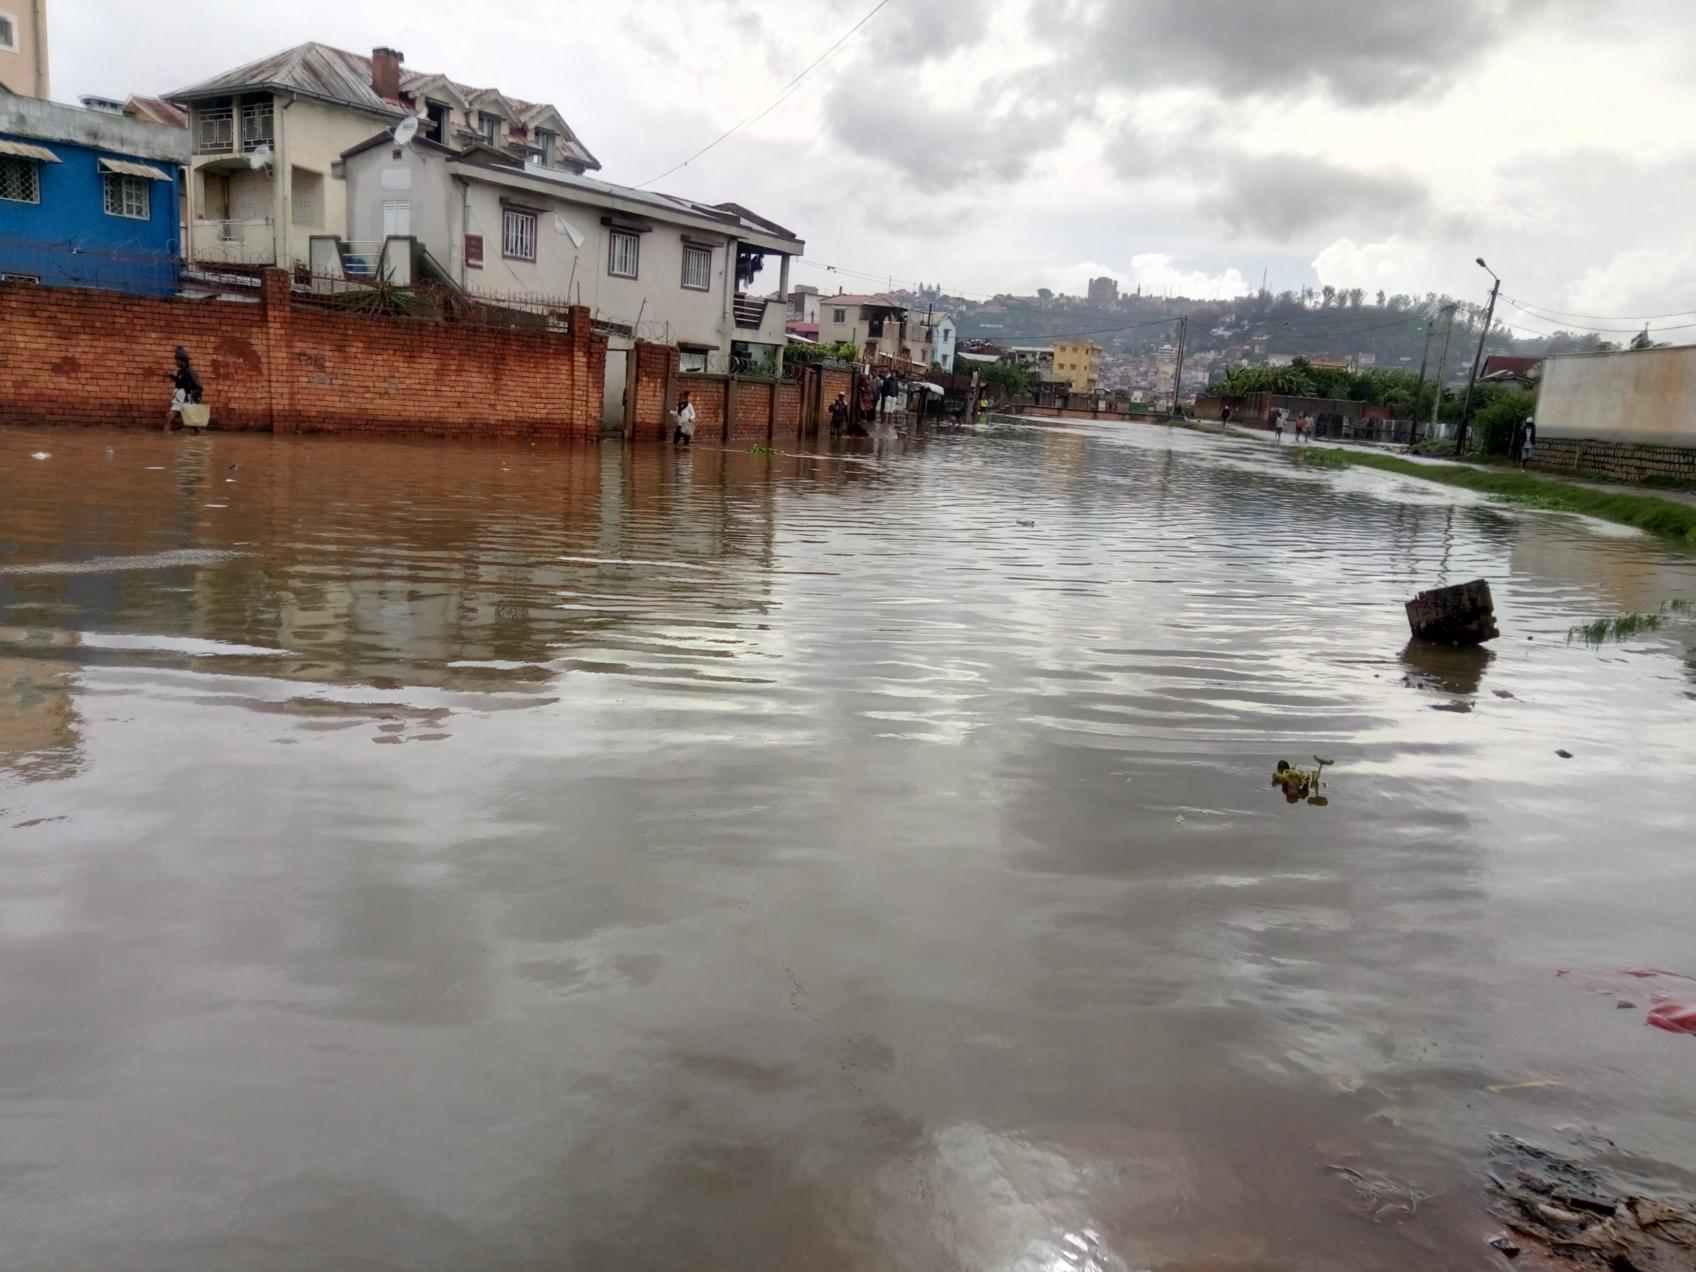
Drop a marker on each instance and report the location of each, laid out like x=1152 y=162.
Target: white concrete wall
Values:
x=1636 y=396
x=443 y=212
x=312 y=135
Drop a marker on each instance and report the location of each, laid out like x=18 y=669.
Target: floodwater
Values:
x=456 y=857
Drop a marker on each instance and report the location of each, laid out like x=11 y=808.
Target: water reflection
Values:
x=449 y=856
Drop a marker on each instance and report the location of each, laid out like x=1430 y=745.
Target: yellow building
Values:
x=1079 y=362
x=23 y=48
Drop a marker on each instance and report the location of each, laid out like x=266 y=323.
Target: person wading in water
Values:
x=189 y=389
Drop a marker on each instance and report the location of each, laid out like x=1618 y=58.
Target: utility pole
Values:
x=1178 y=374
x=1442 y=367
x=1478 y=358
x=1419 y=390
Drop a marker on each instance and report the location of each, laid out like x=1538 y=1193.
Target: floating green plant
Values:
x=1299 y=783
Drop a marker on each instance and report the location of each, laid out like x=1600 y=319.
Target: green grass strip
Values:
x=1658 y=516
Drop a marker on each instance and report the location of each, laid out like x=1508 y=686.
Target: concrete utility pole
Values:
x=1178 y=373
x=1478 y=358
x=1419 y=389
x=1442 y=367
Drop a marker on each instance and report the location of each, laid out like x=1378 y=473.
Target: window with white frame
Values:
x=489 y=125
x=545 y=143
x=839 y=315
x=20 y=180
x=697 y=267
x=8 y=33
x=624 y=254
x=128 y=196
x=518 y=235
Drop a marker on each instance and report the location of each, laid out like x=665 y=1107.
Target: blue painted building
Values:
x=88 y=198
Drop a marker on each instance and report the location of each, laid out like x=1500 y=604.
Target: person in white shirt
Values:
x=683 y=418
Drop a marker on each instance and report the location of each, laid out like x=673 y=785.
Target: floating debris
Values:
x=1378 y=1196
x=1573 y=1210
x=40 y=455
x=1299 y=784
x=1464 y=614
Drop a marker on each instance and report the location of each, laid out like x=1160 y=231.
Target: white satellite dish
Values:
x=406 y=130
x=565 y=227
x=259 y=156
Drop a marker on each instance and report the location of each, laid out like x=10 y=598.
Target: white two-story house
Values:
x=266 y=139
x=647 y=265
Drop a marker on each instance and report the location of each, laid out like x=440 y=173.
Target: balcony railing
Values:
x=258 y=126
x=750 y=312
x=215 y=129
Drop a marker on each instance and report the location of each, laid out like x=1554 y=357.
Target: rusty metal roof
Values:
x=312 y=70
x=336 y=75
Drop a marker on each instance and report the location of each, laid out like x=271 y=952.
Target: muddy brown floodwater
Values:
x=450 y=857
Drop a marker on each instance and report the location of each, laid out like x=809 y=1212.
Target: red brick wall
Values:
x=750 y=420
x=655 y=365
x=70 y=356
x=786 y=424
x=91 y=357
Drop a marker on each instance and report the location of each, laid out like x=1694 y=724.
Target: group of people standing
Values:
x=1301 y=424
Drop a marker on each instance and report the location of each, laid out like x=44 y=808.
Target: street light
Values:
x=1478 y=358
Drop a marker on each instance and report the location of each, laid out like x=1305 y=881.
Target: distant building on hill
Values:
x=1103 y=290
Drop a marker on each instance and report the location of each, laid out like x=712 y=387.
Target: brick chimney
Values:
x=385 y=73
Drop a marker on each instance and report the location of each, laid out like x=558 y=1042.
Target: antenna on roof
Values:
x=259 y=156
x=406 y=130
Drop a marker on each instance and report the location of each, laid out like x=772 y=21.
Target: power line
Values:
x=1632 y=330
x=1527 y=307
x=776 y=101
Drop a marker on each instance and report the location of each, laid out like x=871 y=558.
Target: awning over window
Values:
x=23 y=150
x=123 y=167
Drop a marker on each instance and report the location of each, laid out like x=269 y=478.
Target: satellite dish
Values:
x=565 y=227
x=406 y=130
x=260 y=156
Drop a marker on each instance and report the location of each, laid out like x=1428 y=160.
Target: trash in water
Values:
x=1573 y=1210
x=1378 y=1196
x=40 y=455
x=1464 y=614
x=1299 y=784
x=1673 y=1017
x=1506 y=1244
x=1565 y=755
x=1672 y=1006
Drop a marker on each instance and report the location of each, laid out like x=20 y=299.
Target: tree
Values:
x=1356 y=295
x=1502 y=410
x=1327 y=294
x=1380 y=298
x=1643 y=340
x=1013 y=381
x=1044 y=294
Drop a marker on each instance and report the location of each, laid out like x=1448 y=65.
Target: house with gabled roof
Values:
x=267 y=139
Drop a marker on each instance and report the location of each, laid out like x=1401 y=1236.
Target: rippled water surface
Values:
x=464 y=858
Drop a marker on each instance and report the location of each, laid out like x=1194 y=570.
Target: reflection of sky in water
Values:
x=492 y=857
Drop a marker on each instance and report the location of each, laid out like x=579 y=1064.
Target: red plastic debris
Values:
x=1673 y=1017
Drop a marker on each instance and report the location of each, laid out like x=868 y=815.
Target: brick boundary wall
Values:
x=728 y=411
x=1622 y=461
x=76 y=356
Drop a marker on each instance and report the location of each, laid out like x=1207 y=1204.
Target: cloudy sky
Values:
x=995 y=145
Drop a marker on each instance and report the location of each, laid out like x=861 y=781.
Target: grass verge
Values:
x=1658 y=516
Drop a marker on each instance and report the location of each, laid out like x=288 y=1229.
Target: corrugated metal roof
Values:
x=128 y=168
x=24 y=150
x=156 y=110
x=317 y=70
x=313 y=70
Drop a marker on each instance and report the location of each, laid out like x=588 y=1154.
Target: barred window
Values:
x=697 y=268
x=518 y=235
x=20 y=180
x=128 y=196
x=624 y=254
